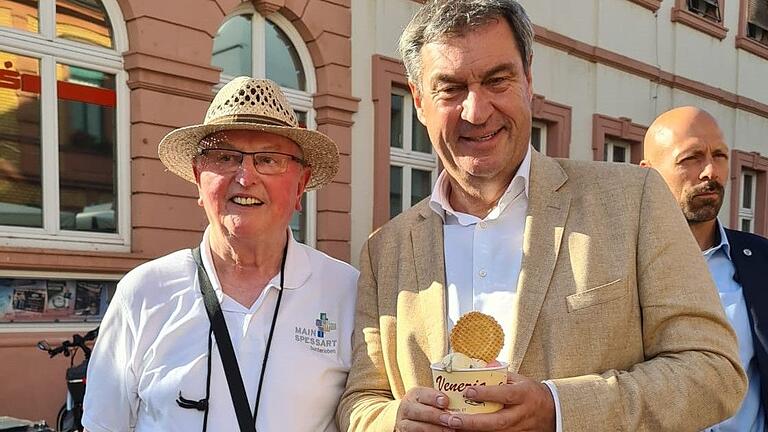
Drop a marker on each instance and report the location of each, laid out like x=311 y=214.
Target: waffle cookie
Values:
x=478 y=336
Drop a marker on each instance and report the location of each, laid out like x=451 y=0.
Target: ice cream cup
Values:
x=453 y=384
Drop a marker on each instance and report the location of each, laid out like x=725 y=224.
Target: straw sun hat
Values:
x=250 y=104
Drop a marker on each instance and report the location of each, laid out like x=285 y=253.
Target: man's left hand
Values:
x=528 y=406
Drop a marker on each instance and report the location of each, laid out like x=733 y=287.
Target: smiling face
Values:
x=688 y=148
x=245 y=204
x=475 y=101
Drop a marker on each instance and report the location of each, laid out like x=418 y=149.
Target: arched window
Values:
x=64 y=150
x=252 y=45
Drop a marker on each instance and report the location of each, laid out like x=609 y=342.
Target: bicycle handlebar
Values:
x=67 y=346
x=63 y=348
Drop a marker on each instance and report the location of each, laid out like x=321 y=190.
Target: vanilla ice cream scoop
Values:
x=458 y=360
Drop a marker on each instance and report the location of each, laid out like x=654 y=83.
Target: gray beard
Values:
x=701 y=213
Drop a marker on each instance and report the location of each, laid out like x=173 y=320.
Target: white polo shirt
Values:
x=153 y=343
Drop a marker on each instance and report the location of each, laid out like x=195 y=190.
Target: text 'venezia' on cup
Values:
x=454 y=383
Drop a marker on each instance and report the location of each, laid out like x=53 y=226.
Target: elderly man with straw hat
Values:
x=251 y=324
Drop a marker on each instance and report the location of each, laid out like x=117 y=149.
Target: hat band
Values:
x=249 y=119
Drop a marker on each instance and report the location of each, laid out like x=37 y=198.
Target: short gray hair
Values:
x=440 y=19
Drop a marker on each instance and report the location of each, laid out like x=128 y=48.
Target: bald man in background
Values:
x=687 y=147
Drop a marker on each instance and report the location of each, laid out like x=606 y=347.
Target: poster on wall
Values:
x=61 y=295
x=53 y=300
x=6 y=299
x=28 y=298
x=88 y=298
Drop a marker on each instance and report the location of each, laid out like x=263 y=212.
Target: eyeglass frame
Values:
x=300 y=161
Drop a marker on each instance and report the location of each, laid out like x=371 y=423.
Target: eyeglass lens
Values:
x=226 y=160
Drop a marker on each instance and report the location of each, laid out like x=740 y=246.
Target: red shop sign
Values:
x=14 y=80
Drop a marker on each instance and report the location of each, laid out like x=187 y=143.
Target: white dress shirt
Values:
x=483 y=257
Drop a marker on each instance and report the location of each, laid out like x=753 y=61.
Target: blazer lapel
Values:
x=750 y=275
x=429 y=262
x=548 y=207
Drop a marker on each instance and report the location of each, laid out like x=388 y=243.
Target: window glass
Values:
x=301 y=118
x=73 y=139
x=299 y=221
x=619 y=154
x=21 y=195
x=746 y=225
x=20 y=14
x=396 y=121
x=413 y=164
x=87 y=168
x=419 y=137
x=536 y=138
x=232 y=46
x=757 y=20
x=283 y=63
x=395 y=190
x=616 y=150
x=421 y=185
x=54 y=300
x=707 y=8
x=757 y=33
x=83 y=21
x=746 y=201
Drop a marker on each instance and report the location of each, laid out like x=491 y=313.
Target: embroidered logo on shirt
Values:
x=324 y=325
x=319 y=338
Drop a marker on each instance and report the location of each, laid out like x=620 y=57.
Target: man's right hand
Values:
x=423 y=410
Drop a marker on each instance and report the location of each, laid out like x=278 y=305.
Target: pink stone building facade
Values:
x=157 y=59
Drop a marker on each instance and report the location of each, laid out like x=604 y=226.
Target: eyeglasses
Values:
x=229 y=161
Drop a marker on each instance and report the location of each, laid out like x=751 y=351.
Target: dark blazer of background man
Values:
x=749 y=254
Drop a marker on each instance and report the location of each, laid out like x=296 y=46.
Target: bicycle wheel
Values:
x=60 y=417
x=65 y=421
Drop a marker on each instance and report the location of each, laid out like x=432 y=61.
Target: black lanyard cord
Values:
x=224 y=344
x=271 y=332
x=208 y=381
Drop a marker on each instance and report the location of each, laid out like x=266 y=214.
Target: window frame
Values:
x=386 y=74
x=557 y=118
x=757 y=165
x=744 y=212
x=745 y=42
x=652 y=5
x=407 y=158
x=610 y=147
x=50 y=50
x=300 y=100
x=681 y=14
x=621 y=128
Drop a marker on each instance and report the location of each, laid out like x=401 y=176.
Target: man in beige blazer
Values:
x=608 y=299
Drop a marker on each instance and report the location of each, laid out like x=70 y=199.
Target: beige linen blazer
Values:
x=615 y=305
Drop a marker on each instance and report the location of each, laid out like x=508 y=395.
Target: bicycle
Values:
x=70 y=415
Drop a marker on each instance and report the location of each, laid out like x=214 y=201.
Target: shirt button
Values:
x=483 y=273
x=483 y=225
